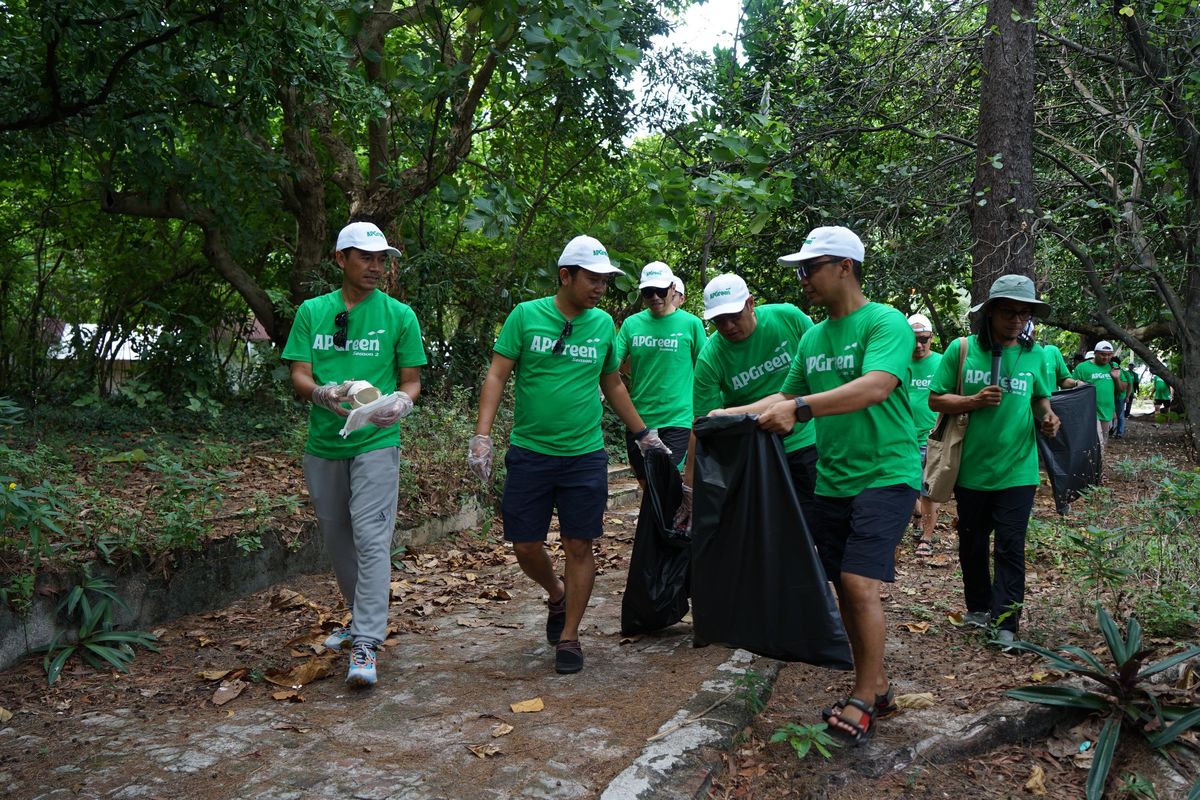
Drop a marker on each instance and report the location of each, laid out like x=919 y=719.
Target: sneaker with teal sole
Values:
x=338 y=639
x=362 y=665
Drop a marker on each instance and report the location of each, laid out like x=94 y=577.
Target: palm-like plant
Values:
x=1124 y=696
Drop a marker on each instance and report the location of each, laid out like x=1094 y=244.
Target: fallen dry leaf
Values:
x=501 y=729
x=300 y=675
x=1039 y=677
x=6 y=715
x=955 y=618
x=917 y=627
x=630 y=639
x=483 y=750
x=468 y=622
x=528 y=706
x=288 y=726
x=227 y=691
x=916 y=701
x=288 y=694
x=1037 y=781
x=213 y=674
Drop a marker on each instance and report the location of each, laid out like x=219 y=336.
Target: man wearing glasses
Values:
x=356 y=333
x=850 y=374
x=658 y=348
x=747 y=360
x=561 y=348
x=920 y=374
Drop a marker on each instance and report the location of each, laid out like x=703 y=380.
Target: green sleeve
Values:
x=889 y=345
x=410 y=351
x=1060 y=368
x=698 y=338
x=1041 y=381
x=945 y=380
x=508 y=344
x=623 y=341
x=299 y=343
x=706 y=389
x=611 y=362
x=796 y=382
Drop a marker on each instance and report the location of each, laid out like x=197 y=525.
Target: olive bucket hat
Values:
x=1014 y=287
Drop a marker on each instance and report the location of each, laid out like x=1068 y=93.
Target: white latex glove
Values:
x=683 y=517
x=390 y=414
x=332 y=395
x=651 y=441
x=479 y=457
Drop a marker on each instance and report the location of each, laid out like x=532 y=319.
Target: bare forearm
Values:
x=759 y=406
x=953 y=403
x=618 y=397
x=489 y=402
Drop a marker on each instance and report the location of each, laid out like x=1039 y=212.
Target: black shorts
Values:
x=802 y=464
x=859 y=534
x=537 y=483
x=674 y=438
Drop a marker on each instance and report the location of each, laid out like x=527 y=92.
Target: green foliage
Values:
x=752 y=689
x=804 y=738
x=1124 y=695
x=89 y=606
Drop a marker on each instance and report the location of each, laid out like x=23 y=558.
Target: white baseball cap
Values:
x=1104 y=347
x=725 y=294
x=678 y=283
x=586 y=252
x=1089 y=355
x=828 y=240
x=920 y=323
x=656 y=275
x=364 y=236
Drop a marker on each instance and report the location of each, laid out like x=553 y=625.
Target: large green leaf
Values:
x=1067 y=696
x=1112 y=636
x=1169 y=662
x=1171 y=732
x=1106 y=745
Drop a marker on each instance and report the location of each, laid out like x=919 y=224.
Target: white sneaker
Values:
x=362 y=665
x=1004 y=638
x=338 y=639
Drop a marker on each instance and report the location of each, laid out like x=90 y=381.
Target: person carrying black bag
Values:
x=998 y=474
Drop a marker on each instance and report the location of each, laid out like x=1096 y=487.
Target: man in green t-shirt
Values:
x=924 y=363
x=1162 y=396
x=1134 y=380
x=561 y=348
x=657 y=349
x=746 y=360
x=1104 y=376
x=850 y=377
x=354 y=334
x=1119 y=412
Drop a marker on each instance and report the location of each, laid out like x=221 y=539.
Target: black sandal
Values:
x=861 y=731
x=885 y=706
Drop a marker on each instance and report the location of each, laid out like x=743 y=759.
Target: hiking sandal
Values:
x=861 y=731
x=885 y=706
x=924 y=549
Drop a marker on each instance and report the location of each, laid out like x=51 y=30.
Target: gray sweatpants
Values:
x=355 y=500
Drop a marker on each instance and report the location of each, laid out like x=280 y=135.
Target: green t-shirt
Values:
x=1056 y=366
x=662 y=357
x=1162 y=390
x=999 y=451
x=874 y=446
x=740 y=373
x=1127 y=377
x=382 y=336
x=557 y=396
x=1106 y=398
x=919 y=375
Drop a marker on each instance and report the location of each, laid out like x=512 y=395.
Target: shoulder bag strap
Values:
x=962 y=361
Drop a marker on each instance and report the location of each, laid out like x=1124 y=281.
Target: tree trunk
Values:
x=1002 y=207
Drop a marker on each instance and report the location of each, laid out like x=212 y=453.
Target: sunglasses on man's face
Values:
x=342 y=321
x=655 y=291
x=805 y=271
x=560 y=343
x=924 y=339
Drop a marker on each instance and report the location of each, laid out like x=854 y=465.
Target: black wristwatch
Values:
x=637 y=437
x=803 y=410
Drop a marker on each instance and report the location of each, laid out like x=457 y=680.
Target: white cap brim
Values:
x=656 y=283
x=793 y=258
x=391 y=251
x=725 y=308
x=602 y=269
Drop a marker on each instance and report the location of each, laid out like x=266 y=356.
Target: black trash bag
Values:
x=757 y=582
x=1072 y=459
x=656 y=591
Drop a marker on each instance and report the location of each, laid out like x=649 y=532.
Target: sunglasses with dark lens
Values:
x=560 y=343
x=652 y=291
x=924 y=339
x=342 y=320
x=805 y=271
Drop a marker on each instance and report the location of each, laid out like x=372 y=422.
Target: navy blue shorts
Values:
x=859 y=534
x=537 y=483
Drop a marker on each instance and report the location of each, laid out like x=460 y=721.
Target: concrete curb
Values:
x=682 y=764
